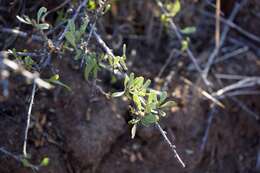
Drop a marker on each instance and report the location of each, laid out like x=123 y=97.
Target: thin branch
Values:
x=19 y=69
x=21 y=34
x=28 y=121
x=172 y=146
x=233 y=54
x=234 y=26
x=231 y=77
x=244 y=83
x=245 y=108
x=217 y=31
x=209 y=123
x=204 y=93
x=222 y=40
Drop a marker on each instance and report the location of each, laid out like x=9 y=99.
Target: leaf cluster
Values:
x=39 y=23
x=149 y=105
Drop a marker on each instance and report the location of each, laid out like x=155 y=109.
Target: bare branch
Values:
x=28 y=121
x=19 y=69
x=172 y=146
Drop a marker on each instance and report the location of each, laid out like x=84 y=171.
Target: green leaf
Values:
x=118 y=94
x=55 y=77
x=138 y=82
x=25 y=19
x=91 y=66
x=45 y=161
x=83 y=27
x=71 y=39
x=42 y=26
x=131 y=78
x=147 y=83
x=61 y=84
x=133 y=131
x=41 y=13
x=133 y=121
x=126 y=81
x=173 y=8
x=25 y=162
x=149 y=119
x=184 y=45
x=168 y=104
x=55 y=80
x=71 y=26
x=91 y=5
x=152 y=97
x=163 y=96
x=137 y=102
x=189 y=30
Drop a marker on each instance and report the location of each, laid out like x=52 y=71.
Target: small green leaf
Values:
x=184 y=45
x=71 y=26
x=118 y=94
x=147 y=83
x=45 y=161
x=173 y=8
x=133 y=131
x=83 y=27
x=43 y=26
x=61 y=84
x=91 y=66
x=91 y=5
x=149 y=119
x=137 y=102
x=26 y=20
x=55 y=80
x=126 y=81
x=71 y=39
x=133 y=121
x=152 y=97
x=163 y=96
x=41 y=13
x=168 y=104
x=55 y=77
x=25 y=162
x=189 y=30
